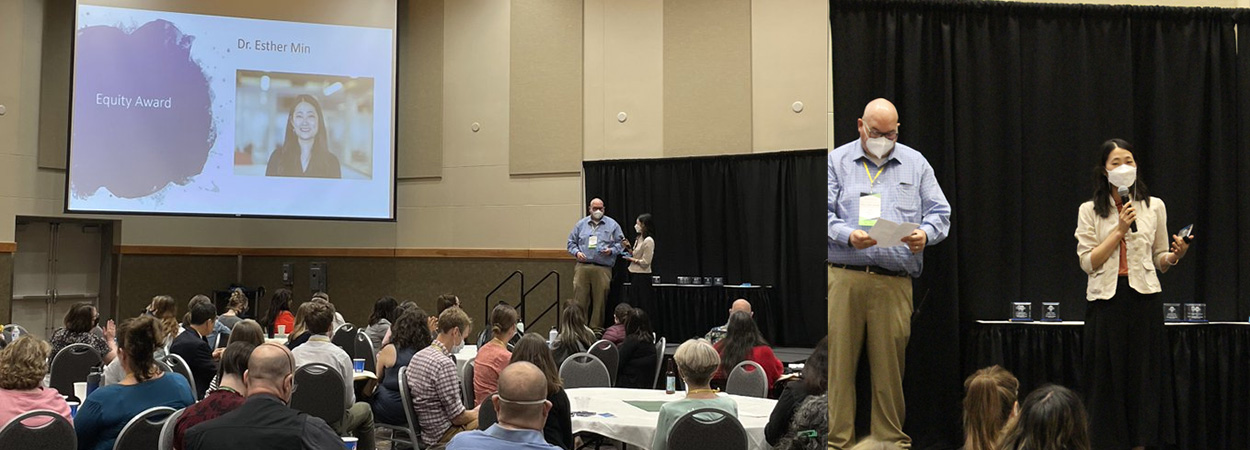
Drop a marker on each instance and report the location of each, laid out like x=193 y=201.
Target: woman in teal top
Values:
x=107 y=410
x=696 y=360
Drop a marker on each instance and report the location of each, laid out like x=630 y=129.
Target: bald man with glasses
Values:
x=521 y=407
x=870 y=282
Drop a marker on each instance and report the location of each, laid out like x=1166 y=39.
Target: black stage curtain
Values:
x=1210 y=364
x=1009 y=103
x=683 y=312
x=749 y=218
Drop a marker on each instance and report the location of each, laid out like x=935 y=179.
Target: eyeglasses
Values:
x=893 y=134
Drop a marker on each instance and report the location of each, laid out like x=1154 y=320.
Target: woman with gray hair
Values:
x=696 y=361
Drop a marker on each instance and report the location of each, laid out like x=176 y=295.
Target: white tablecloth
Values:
x=636 y=427
x=468 y=353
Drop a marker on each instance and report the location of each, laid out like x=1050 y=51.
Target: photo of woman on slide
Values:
x=304 y=151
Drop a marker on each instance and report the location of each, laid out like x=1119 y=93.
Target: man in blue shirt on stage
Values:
x=876 y=179
x=595 y=242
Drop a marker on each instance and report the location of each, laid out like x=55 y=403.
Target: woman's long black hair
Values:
x=290 y=144
x=1102 y=187
x=648 y=227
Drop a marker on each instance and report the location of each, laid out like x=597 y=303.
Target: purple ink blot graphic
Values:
x=142 y=111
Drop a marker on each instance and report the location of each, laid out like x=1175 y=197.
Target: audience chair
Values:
x=167 y=431
x=747 y=378
x=143 y=432
x=707 y=429
x=56 y=434
x=607 y=352
x=414 y=426
x=71 y=365
x=364 y=349
x=584 y=370
x=466 y=384
x=659 y=360
x=8 y=331
x=407 y=429
x=180 y=366
x=486 y=414
x=345 y=338
x=319 y=392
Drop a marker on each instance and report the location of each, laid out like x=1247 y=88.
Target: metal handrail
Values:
x=520 y=291
x=555 y=304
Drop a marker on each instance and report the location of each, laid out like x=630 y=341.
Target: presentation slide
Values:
x=202 y=114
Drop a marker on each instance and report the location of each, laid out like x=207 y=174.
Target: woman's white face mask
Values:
x=1123 y=176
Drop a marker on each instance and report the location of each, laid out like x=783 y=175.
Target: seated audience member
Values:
x=359 y=417
x=637 y=353
x=108 y=409
x=745 y=343
x=410 y=336
x=435 y=385
x=246 y=330
x=492 y=357
x=441 y=304
x=575 y=336
x=321 y=296
x=431 y=321
x=264 y=421
x=299 y=334
x=385 y=312
x=219 y=331
x=533 y=349
x=521 y=410
x=79 y=321
x=716 y=334
x=192 y=346
x=1050 y=417
x=226 y=397
x=616 y=333
x=803 y=405
x=163 y=309
x=279 y=314
x=989 y=402
x=236 y=306
x=24 y=363
x=696 y=361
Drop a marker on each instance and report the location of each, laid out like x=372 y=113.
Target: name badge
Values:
x=869 y=209
x=592 y=242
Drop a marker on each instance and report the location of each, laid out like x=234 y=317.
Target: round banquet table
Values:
x=636 y=427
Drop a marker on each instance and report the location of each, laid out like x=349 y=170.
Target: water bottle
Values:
x=551 y=336
x=93 y=379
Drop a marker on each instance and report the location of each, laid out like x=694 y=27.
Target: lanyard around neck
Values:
x=872 y=179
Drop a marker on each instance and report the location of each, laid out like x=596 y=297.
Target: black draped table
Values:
x=680 y=312
x=1210 y=371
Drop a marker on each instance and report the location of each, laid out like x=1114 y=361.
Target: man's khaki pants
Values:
x=877 y=307
x=591 y=283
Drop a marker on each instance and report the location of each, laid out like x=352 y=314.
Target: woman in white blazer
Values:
x=1125 y=348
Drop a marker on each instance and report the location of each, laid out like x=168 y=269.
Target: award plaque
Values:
x=1195 y=312
x=1050 y=312
x=1171 y=312
x=1021 y=312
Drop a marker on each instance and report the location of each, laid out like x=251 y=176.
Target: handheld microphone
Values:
x=1124 y=199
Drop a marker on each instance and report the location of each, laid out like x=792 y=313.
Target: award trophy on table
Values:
x=1022 y=312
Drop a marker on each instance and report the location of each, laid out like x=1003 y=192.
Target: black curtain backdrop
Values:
x=1009 y=103
x=749 y=218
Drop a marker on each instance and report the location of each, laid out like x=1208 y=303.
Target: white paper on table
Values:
x=890 y=234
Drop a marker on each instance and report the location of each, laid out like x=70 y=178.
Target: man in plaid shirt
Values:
x=435 y=384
